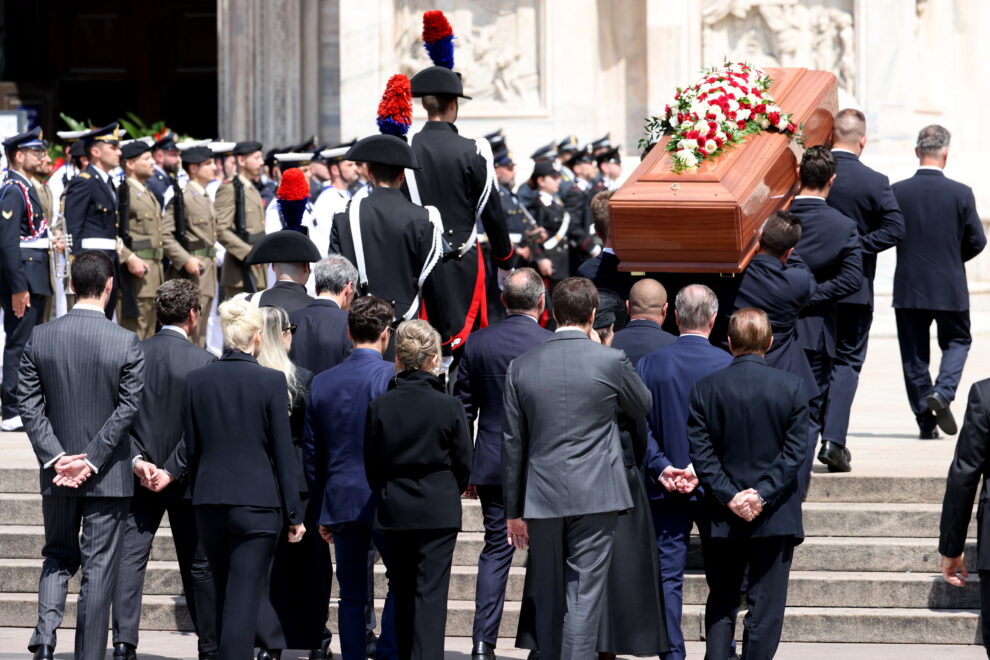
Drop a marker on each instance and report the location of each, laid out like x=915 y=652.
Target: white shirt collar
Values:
x=693 y=334
x=530 y=317
x=103 y=175
x=175 y=328
x=571 y=328
x=90 y=308
x=608 y=250
x=930 y=167
x=546 y=198
x=834 y=149
x=809 y=197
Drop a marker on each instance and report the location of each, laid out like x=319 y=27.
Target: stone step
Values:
x=806 y=589
x=855 y=554
x=825 y=487
x=801 y=624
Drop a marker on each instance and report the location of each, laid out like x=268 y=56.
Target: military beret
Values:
x=196 y=155
x=437 y=81
x=283 y=247
x=383 y=150
x=27 y=140
x=246 y=148
x=133 y=149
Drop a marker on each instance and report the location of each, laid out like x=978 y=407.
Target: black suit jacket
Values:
x=970 y=464
x=238 y=442
x=943 y=231
x=90 y=209
x=290 y=296
x=829 y=246
x=641 y=337
x=417 y=454
x=748 y=428
x=604 y=271
x=157 y=431
x=321 y=338
x=865 y=196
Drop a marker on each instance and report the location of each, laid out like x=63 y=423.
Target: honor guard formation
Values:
x=400 y=323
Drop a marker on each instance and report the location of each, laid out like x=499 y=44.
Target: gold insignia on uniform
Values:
x=85 y=175
x=7 y=214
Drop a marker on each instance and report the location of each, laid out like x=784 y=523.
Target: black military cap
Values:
x=283 y=247
x=166 y=142
x=503 y=158
x=569 y=143
x=609 y=156
x=437 y=81
x=77 y=149
x=496 y=139
x=27 y=140
x=383 y=150
x=604 y=142
x=546 y=152
x=545 y=168
x=196 y=155
x=133 y=149
x=109 y=133
x=580 y=156
x=246 y=148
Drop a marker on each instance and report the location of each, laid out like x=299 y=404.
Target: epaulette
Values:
x=85 y=175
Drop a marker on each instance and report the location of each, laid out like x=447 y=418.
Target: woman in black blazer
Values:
x=418 y=461
x=243 y=472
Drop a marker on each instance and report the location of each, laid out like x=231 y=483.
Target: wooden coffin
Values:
x=706 y=220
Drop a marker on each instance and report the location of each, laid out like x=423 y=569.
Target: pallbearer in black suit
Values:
x=243 y=471
x=480 y=384
x=158 y=460
x=90 y=201
x=321 y=338
x=644 y=333
x=603 y=270
x=829 y=246
x=290 y=253
x=748 y=429
x=970 y=465
x=865 y=196
x=457 y=177
x=25 y=282
x=394 y=243
x=942 y=232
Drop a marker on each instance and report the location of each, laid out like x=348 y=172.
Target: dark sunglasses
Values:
x=291 y=329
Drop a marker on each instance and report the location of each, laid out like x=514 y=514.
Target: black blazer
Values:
x=321 y=338
x=748 y=428
x=604 y=271
x=865 y=196
x=238 y=442
x=290 y=296
x=641 y=337
x=157 y=432
x=971 y=462
x=297 y=423
x=943 y=231
x=417 y=454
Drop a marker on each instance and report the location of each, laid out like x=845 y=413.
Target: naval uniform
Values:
x=158 y=184
x=201 y=234
x=145 y=225
x=90 y=210
x=24 y=266
x=232 y=277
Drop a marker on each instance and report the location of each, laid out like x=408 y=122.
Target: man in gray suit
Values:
x=562 y=467
x=79 y=388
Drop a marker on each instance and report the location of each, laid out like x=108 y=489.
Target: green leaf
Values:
x=73 y=124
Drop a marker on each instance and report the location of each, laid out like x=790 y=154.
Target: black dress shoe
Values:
x=371 y=646
x=124 y=651
x=943 y=416
x=320 y=654
x=836 y=457
x=269 y=654
x=482 y=651
x=44 y=652
x=928 y=434
x=533 y=655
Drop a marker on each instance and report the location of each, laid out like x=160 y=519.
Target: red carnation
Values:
x=774 y=118
x=792 y=128
x=293 y=186
x=703 y=153
x=760 y=109
x=693 y=135
x=741 y=124
x=435 y=26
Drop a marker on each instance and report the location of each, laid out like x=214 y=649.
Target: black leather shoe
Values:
x=943 y=416
x=928 y=434
x=44 y=652
x=533 y=655
x=482 y=651
x=269 y=654
x=209 y=655
x=836 y=457
x=124 y=652
x=320 y=654
x=371 y=646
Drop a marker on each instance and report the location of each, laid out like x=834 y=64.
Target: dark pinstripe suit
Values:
x=79 y=388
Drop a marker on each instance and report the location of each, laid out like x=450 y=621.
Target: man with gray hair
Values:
x=480 y=384
x=320 y=328
x=670 y=373
x=942 y=232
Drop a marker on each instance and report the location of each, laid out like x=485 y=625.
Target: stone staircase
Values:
x=866 y=573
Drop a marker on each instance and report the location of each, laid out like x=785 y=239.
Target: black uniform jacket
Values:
x=21 y=269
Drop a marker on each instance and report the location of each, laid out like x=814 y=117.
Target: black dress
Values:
x=295 y=614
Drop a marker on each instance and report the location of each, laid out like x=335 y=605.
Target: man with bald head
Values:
x=647 y=307
x=865 y=196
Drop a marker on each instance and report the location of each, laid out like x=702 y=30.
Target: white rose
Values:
x=782 y=124
x=701 y=127
x=733 y=105
x=686 y=158
x=688 y=144
x=742 y=114
x=764 y=122
x=710 y=146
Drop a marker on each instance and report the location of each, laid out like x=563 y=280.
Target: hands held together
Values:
x=682 y=480
x=152 y=477
x=71 y=471
x=746 y=504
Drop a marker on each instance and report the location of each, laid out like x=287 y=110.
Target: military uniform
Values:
x=145 y=220
x=158 y=184
x=90 y=210
x=232 y=275
x=24 y=266
x=201 y=234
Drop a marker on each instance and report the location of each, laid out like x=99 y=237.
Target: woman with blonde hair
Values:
x=295 y=614
x=418 y=462
x=243 y=472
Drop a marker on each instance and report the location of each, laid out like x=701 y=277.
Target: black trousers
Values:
x=143 y=520
x=17 y=331
x=419 y=578
x=240 y=544
x=851 y=338
x=985 y=609
x=954 y=340
x=765 y=564
x=493 y=567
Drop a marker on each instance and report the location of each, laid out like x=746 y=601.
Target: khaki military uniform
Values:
x=201 y=235
x=146 y=242
x=232 y=275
